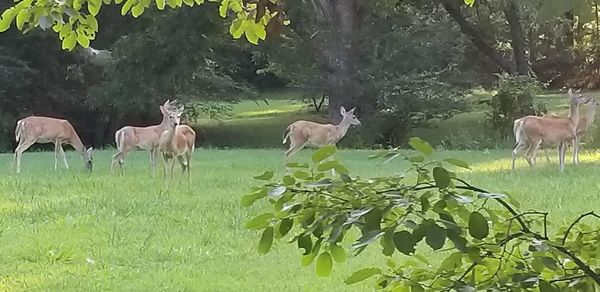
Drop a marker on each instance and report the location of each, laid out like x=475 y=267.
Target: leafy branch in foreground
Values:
x=480 y=239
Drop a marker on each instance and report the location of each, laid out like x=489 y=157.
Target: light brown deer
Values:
x=531 y=131
x=145 y=138
x=306 y=133
x=582 y=127
x=33 y=129
x=178 y=141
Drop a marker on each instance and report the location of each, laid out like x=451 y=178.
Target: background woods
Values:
x=402 y=64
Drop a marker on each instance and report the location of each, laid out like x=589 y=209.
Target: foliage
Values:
x=75 y=21
x=513 y=100
x=485 y=242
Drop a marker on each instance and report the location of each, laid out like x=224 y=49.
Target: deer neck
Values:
x=75 y=141
x=574 y=114
x=589 y=115
x=170 y=134
x=342 y=127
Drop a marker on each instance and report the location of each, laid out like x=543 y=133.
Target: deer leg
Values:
x=575 y=151
x=561 y=156
x=62 y=152
x=19 y=152
x=518 y=148
x=119 y=157
x=546 y=154
x=56 y=145
x=153 y=161
x=172 y=166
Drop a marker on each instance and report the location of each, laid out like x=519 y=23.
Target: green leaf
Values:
x=457 y=162
x=441 y=177
x=160 y=4
x=276 y=192
x=367 y=238
x=266 y=241
x=138 y=9
x=249 y=199
x=236 y=29
x=546 y=287
x=259 y=221
x=189 y=3
x=94 y=6
x=451 y=263
x=329 y=165
x=267 y=175
x=420 y=145
x=338 y=253
x=323 y=153
x=417 y=158
x=22 y=17
x=83 y=40
x=387 y=242
x=44 y=22
x=362 y=275
x=285 y=226
x=7 y=17
x=550 y=263
x=405 y=242
x=288 y=180
x=478 y=226
x=324 y=265
x=306 y=243
x=435 y=236
x=127 y=6
x=92 y=22
x=70 y=41
x=223 y=8
x=470 y=2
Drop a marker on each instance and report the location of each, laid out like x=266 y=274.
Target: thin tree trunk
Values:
x=477 y=37
x=518 y=41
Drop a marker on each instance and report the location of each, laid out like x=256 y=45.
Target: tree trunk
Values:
x=336 y=42
x=518 y=41
x=477 y=37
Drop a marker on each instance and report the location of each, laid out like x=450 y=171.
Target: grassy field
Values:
x=70 y=231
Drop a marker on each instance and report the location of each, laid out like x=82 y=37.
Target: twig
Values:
x=574 y=277
x=591 y=213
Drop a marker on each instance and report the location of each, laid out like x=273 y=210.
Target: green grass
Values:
x=70 y=231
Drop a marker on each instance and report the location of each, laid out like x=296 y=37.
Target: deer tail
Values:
x=19 y=130
x=286 y=134
x=517 y=128
x=119 y=136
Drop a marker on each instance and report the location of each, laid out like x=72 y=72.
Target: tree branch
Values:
x=591 y=213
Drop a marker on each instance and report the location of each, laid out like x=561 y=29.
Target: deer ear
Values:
x=342 y=111
x=89 y=150
x=352 y=110
x=570 y=91
x=166 y=103
x=578 y=90
x=162 y=109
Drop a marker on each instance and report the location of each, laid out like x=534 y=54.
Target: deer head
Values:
x=349 y=116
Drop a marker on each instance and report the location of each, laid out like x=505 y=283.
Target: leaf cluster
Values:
x=482 y=240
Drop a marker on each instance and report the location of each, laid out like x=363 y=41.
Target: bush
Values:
x=513 y=100
x=484 y=241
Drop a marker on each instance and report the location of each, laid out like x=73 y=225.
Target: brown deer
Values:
x=178 y=141
x=582 y=127
x=145 y=138
x=305 y=133
x=531 y=131
x=34 y=129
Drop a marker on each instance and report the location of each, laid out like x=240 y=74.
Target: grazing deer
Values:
x=306 y=133
x=178 y=141
x=531 y=131
x=583 y=126
x=33 y=129
x=145 y=138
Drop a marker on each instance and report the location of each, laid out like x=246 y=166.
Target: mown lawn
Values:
x=70 y=231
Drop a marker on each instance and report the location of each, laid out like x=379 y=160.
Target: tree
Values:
x=482 y=239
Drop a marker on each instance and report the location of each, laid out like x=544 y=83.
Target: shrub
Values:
x=485 y=242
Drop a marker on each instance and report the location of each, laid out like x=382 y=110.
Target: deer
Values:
x=145 y=138
x=531 y=131
x=42 y=130
x=178 y=141
x=584 y=123
x=306 y=133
